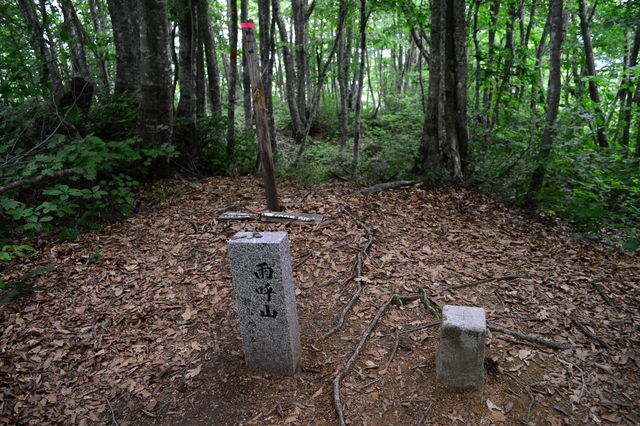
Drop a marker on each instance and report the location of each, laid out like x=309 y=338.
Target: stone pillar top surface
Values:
x=464 y=317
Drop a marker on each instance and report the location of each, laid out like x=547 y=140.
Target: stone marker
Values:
x=263 y=281
x=460 y=361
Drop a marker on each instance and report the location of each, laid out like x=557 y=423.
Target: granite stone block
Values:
x=265 y=298
x=460 y=359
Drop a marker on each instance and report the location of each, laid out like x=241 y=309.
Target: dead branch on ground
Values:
x=36 y=179
x=352 y=360
x=393 y=350
x=535 y=339
x=583 y=328
x=584 y=384
x=488 y=280
x=532 y=399
x=604 y=295
x=385 y=187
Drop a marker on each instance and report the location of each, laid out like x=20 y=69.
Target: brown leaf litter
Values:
x=148 y=333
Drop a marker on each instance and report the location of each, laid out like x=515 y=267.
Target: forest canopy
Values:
x=536 y=103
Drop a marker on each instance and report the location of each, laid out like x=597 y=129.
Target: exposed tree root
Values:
x=352 y=360
x=535 y=339
x=357 y=273
x=488 y=280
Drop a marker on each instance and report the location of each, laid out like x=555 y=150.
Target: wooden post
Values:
x=260 y=112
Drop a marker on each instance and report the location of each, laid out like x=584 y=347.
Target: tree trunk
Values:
x=343 y=67
x=126 y=21
x=300 y=25
x=556 y=29
x=290 y=78
x=49 y=74
x=489 y=71
x=537 y=83
x=187 y=64
x=262 y=123
x=627 y=100
x=601 y=134
x=246 y=83
x=445 y=135
x=506 y=70
x=233 y=76
x=213 y=72
x=266 y=65
x=97 y=16
x=78 y=52
x=155 y=117
x=358 y=116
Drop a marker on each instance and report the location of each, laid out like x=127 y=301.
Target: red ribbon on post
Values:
x=247 y=25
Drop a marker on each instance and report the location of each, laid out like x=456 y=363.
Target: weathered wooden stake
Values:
x=260 y=113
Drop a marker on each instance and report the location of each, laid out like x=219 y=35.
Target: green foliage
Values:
x=214 y=159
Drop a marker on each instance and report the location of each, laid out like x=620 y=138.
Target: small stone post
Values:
x=265 y=297
x=460 y=360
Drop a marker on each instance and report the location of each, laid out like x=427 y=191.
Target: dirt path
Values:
x=148 y=334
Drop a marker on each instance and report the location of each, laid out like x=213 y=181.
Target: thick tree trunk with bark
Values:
x=155 y=117
x=601 y=135
x=97 y=16
x=126 y=21
x=556 y=29
x=187 y=64
x=445 y=135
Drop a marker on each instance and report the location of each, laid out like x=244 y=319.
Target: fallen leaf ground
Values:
x=148 y=333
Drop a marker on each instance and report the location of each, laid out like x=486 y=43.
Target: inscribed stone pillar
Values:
x=265 y=297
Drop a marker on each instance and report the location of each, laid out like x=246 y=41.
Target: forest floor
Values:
x=148 y=333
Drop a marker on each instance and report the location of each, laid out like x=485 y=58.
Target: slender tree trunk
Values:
x=536 y=85
x=213 y=72
x=78 y=52
x=506 y=71
x=627 y=100
x=343 y=59
x=233 y=76
x=97 y=17
x=299 y=9
x=49 y=74
x=601 y=133
x=478 y=56
x=290 y=78
x=125 y=20
x=358 y=116
x=155 y=117
x=553 y=99
x=489 y=71
x=445 y=135
x=246 y=83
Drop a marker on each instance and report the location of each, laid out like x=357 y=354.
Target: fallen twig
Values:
x=352 y=360
x=550 y=343
x=394 y=349
x=532 y=399
x=583 y=328
x=113 y=414
x=302 y=261
x=385 y=186
x=516 y=342
x=36 y=179
x=488 y=280
x=421 y=327
x=584 y=384
x=604 y=296
x=328 y=282
x=424 y=414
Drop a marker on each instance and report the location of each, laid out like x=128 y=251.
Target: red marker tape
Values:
x=233 y=54
x=247 y=25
